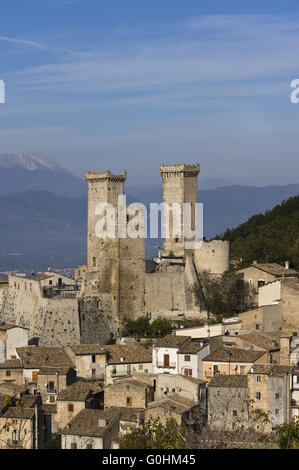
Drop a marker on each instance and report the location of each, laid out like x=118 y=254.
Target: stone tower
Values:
x=179 y=186
x=113 y=284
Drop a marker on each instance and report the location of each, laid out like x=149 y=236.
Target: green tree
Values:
x=287 y=434
x=54 y=442
x=152 y=434
x=223 y=295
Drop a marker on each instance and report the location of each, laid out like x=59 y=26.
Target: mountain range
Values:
x=43 y=210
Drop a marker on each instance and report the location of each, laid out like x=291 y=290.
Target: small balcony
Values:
x=169 y=365
x=51 y=391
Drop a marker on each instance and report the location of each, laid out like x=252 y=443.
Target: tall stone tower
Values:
x=113 y=284
x=179 y=186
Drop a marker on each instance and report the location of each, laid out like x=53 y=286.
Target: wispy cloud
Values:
x=209 y=49
x=23 y=42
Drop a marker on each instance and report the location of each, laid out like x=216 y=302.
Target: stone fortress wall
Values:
x=114 y=283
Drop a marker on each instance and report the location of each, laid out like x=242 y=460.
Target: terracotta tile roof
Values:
x=78 y=391
x=130 y=354
x=260 y=341
x=193 y=347
x=19 y=412
x=170 y=405
x=235 y=381
x=46 y=408
x=11 y=364
x=34 y=357
x=234 y=355
x=129 y=381
x=127 y=414
x=275 y=269
x=53 y=370
x=172 y=341
x=12 y=387
x=86 y=423
x=182 y=400
x=275 y=370
x=88 y=349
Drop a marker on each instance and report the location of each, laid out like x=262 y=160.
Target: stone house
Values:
x=35 y=358
x=91 y=429
x=51 y=380
x=176 y=407
x=259 y=274
x=256 y=342
x=129 y=419
x=75 y=398
x=129 y=392
x=24 y=424
x=124 y=360
x=231 y=361
x=189 y=358
x=227 y=400
x=165 y=354
x=11 y=371
x=89 y=360
x=295 y=393
x=270 y=386
x=11 y=337
x=187 y=387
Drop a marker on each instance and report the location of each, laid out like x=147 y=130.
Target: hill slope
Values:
x=269 y=237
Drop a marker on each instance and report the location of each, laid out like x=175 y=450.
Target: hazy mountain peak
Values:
x=29 y=161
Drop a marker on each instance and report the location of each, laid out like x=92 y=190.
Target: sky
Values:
x=128 y=84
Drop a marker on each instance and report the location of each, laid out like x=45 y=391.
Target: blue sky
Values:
x=128 y=84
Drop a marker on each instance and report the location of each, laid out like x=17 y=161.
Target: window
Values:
x=51 y=387
x=276 y=396
x=88 y=446
x=34 y=376
x=94 y=262
x=258 y=378
x=129 y=401
x=52 y=399
x=15 y=440
x=261 y=283
x=188 y=372
x=50 y=283
x=173 y=390
x=218 y=393
x=93 y=373
x=93 y=359
x=235 y=413
x=257 y=326
x=166 y=360
x=277 y=412
x=8 y=373
x=128 y=430
x=187 y=358
x=114 y=370
x=73 y=445
x=215 y=369
x=70 y=407
x=242 y=370
x=140 y=366
x=258 y=396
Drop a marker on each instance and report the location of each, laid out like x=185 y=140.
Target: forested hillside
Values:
x=269 y=237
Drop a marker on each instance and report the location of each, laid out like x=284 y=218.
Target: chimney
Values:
x=285 y=343
x=287 y=265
